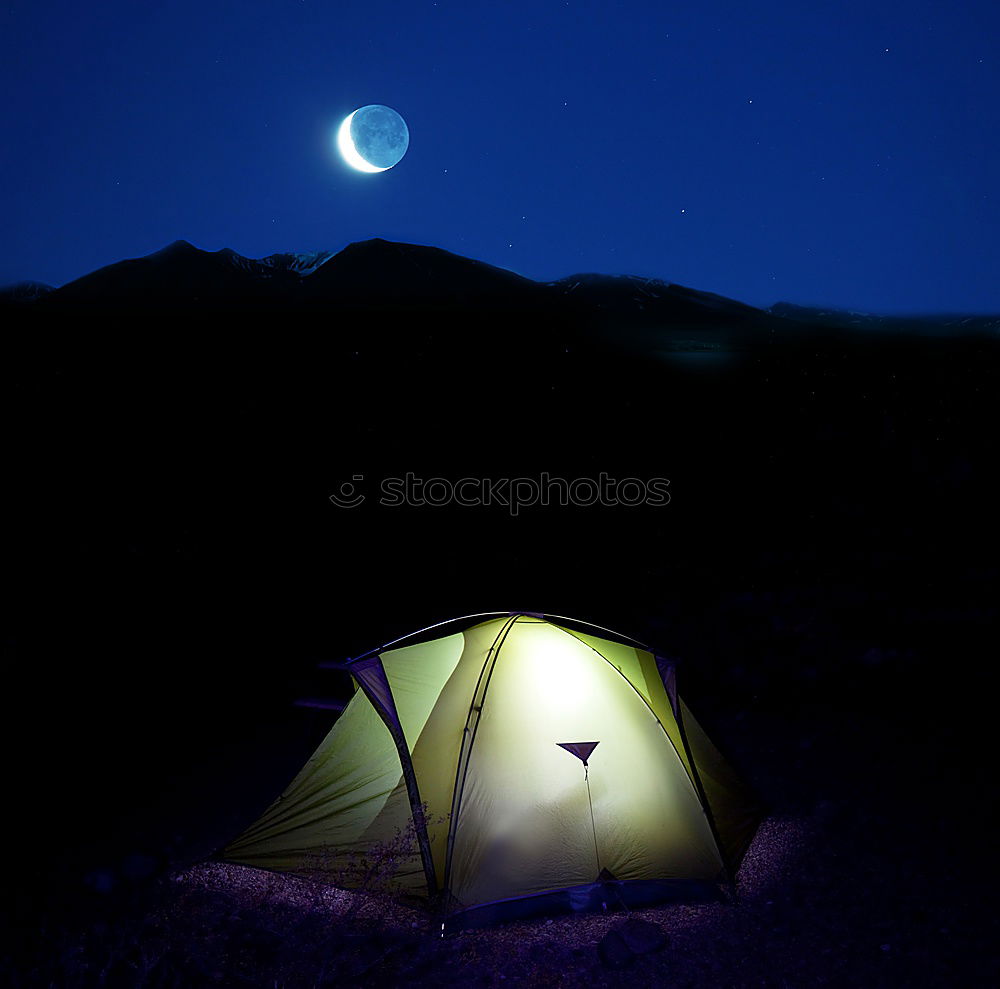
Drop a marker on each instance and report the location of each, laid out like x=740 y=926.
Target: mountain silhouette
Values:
x=180 y=276
x=372 y=274
x=950 y=323
x=23 y=292
x=388 y=277
x=380 y=271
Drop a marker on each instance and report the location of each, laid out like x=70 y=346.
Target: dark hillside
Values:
x=822 y=569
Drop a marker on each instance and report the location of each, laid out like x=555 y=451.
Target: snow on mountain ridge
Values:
x=301 y=263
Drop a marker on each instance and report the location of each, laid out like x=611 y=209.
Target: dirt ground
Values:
x=846 y=884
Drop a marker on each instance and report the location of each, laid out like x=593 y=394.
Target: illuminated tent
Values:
x=526 y=761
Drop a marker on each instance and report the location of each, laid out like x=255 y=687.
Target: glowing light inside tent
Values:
x=562 y=672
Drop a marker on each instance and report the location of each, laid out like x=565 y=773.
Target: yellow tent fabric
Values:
x=470 y=729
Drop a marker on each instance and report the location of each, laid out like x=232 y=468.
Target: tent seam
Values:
x=703 y=797
x=693 y=776
x=637 y=692
x=459 y=788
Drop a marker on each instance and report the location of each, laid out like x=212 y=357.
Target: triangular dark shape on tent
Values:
x=371 y=677
x=605 y=876
x=581 y=750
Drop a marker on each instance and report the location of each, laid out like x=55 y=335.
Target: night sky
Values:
x=841 y=153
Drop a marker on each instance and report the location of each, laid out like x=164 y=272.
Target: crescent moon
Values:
x=346 y=145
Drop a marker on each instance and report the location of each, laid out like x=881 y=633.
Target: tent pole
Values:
x=618 y=636
x=468 y=739
x=586 y=779
x=419 y=631
x=390 y=720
